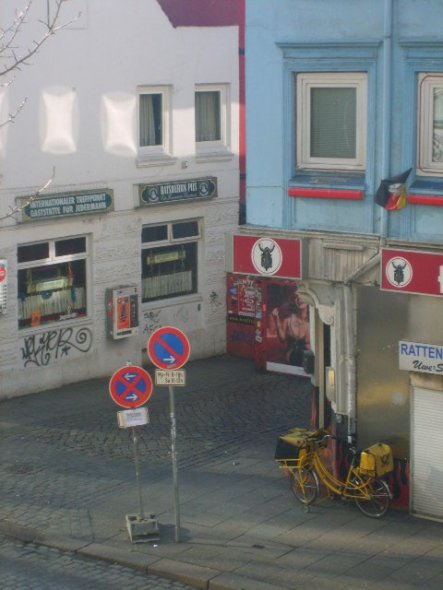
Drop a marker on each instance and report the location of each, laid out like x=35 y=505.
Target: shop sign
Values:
x=66 y=205
x=269 y=257
x=423 y=358
x=178 y=190
x=412 y=271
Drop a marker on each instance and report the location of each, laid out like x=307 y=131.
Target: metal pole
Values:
x=174 y=463
x=137 y=470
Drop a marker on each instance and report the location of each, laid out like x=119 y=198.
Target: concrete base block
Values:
x=141 y=529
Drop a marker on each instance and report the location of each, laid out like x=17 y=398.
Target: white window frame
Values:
x=223 y=144
x=426 y=85
x=163 y=150
x=304 y=83
x=169 y=240
x=51 y=260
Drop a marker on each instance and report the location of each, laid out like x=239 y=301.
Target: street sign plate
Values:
x=130 y=418
x=130 y=387
x=170 y=377
x=168 y=348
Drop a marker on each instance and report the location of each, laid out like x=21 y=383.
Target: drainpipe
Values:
x=386 y=106
x=350 y=366
x=348 y=295
x=349 y=342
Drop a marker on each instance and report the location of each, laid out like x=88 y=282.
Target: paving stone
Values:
x=69 y=482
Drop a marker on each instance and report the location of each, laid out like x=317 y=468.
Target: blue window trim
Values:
x=329 y=57
x=419 y=56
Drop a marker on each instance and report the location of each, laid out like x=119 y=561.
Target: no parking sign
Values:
x=168 y=348
x=130 y=387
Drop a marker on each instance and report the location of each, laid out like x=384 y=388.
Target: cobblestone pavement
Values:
x=62 y=451
x=67 y=481
x=32 y=567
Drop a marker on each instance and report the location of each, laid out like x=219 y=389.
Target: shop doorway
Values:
x=427 y=444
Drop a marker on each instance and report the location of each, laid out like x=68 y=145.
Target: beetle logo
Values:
x=266 y=256
x=398 y=271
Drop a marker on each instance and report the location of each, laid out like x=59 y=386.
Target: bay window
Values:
x=331 y=115
x=52 y=278
x=211 y=118
x=169 y=259
x=430 y=117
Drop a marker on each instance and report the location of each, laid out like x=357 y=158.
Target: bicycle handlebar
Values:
x=322 y=436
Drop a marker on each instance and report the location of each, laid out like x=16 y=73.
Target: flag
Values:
x=391 y=194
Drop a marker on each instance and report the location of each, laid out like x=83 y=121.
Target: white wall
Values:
x=112 y=48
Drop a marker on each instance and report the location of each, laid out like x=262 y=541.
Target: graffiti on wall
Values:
x=39 y=350
x=151 y=321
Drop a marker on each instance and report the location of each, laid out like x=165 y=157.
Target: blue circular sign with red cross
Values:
x=168 y=348
x=130 y=387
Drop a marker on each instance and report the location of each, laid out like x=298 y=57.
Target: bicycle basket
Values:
x=376 y=460
x=289 y=445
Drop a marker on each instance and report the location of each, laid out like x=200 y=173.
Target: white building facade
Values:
x=137 y=123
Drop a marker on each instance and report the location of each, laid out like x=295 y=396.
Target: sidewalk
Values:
x=68 y=480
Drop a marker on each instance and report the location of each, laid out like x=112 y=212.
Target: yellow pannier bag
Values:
x=376 y=460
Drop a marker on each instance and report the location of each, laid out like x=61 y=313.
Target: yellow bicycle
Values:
x=305 y=465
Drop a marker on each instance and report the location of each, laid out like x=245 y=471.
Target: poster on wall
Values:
x=243 y=305
x=287 y=329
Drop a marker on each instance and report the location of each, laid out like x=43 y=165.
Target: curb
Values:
x=186 y=573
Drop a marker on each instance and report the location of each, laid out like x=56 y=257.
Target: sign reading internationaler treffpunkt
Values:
x=66 y=205
x=178 y=190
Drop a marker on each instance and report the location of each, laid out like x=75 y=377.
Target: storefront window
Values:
x=169 y=260
x=51 y=282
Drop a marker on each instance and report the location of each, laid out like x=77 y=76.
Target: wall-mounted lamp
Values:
x=330 y=384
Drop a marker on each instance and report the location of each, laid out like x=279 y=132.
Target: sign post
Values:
x=130 y=387
x=168 y=348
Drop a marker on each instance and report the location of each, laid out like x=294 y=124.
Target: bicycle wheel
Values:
x=304 y=485
x=380 y=496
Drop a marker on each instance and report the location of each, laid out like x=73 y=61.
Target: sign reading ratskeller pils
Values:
x=178 y=190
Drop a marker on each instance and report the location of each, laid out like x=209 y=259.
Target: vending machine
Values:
x=121 y=311
x=3 y=285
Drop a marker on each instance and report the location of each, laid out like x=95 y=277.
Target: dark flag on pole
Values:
x=391 y=194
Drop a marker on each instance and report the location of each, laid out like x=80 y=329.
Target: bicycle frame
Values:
x=355 y=487
x=308 y=469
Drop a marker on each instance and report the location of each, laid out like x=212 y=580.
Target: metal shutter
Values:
x=426 y=453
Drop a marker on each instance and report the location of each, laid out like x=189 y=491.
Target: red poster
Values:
x=288 y=329
x=123 y=317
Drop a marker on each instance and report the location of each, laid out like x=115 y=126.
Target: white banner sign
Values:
x=423 y=358
x=130 y=418
x=170 y=377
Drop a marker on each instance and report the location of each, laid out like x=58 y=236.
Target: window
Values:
x=331 y=116
x=169 y=260
x=51 y=281
x=153 y=118
x=211 y=118
x=430 y=133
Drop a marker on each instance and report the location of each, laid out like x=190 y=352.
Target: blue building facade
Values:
x=344 y=135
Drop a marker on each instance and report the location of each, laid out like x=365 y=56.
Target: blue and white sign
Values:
x=168 y=348
x=423 y=358
x=130 y=387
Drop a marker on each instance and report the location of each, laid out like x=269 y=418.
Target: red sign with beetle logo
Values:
x=412 y=271
x=267 y=257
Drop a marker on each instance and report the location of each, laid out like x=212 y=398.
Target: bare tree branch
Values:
x=12 y=116
x=13 y=58
x=8 y=37
x=19 y=208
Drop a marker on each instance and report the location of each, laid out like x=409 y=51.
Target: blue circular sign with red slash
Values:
x=130 y=387
x=168 y=348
